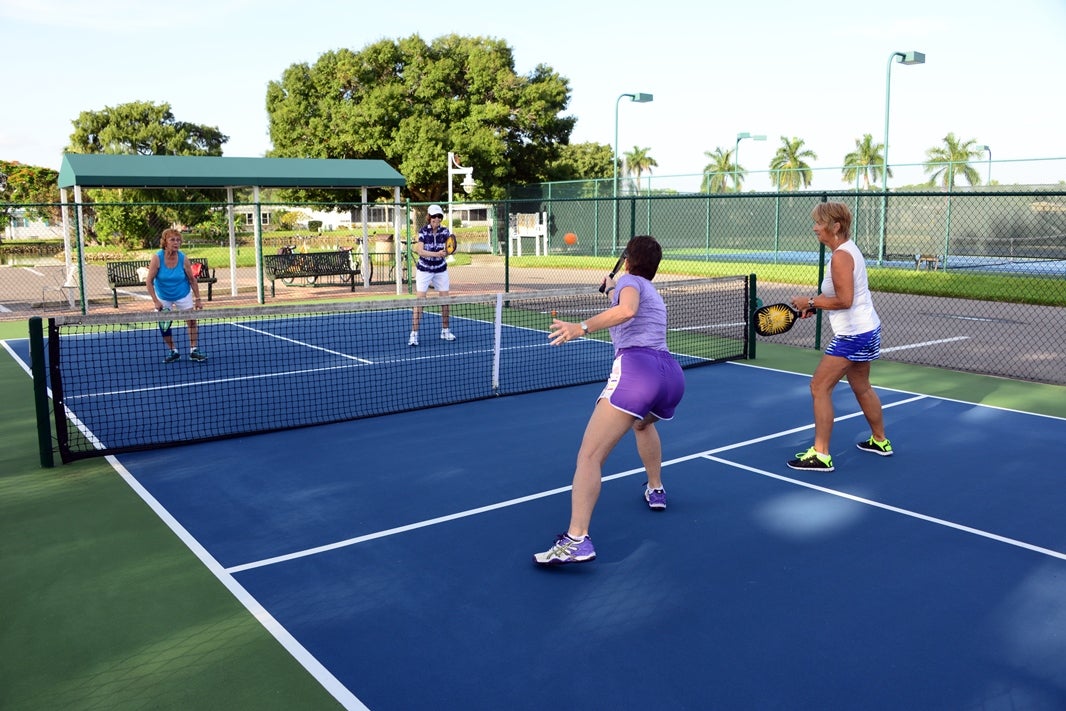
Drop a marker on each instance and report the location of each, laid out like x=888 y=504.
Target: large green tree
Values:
x=789 y=165
x=952 y=159
x=582 y=161
x=866 y=162
x=409 y=103
x=135 y=218
x=143 y=128
x=721 y=169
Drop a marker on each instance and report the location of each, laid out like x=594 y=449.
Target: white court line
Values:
x=215 y=381
x=896 y=509
x=710 y=325
x=709 y=454
x=971 y=318
x=323 y=369
x=924 y=344
x=521 y=500
x=311 y=663
x=303 y=343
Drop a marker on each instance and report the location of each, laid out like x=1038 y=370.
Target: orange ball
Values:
x=570 y=238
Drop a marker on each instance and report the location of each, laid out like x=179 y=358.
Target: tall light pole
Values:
x=736 y=157
x=468 y=182
x=3 y=182
x=638 y=98
x=904 y=58
x=989 y=149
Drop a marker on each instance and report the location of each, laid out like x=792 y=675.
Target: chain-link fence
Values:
x=971 y=280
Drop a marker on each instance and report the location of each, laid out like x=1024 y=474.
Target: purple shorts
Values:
x=645 y=381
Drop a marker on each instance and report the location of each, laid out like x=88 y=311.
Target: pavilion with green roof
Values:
x=83 y=170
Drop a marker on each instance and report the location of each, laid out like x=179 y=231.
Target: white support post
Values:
x=230 y=215
x=366 y=236
x=258 y=239
x=398 y=245
x=80 y=266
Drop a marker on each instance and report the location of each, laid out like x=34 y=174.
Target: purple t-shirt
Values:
x=648 y=328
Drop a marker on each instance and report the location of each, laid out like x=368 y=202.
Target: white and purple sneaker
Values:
x=566 y=550
x=656 y=498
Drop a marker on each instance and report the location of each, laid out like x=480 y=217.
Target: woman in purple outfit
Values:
x=645 y=386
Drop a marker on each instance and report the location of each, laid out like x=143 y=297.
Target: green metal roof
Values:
x=129 y=171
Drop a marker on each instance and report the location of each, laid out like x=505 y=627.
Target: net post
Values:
x=821 y=277
x=753 y=303
x=818 y=313
x=40 y=392
x=497 y=338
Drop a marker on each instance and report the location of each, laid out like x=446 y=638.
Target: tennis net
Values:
x=280 y=367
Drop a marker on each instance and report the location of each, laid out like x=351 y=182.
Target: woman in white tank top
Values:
x=845 y=295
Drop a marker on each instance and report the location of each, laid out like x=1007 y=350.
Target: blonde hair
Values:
x=830 y=212
x=166 y=235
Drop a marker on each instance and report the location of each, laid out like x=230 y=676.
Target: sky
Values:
x=816 y=70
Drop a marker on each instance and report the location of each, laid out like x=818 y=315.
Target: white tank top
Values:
x=861 y=317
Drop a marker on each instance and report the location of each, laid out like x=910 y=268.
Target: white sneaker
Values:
x=447 y=335
x=413 y=341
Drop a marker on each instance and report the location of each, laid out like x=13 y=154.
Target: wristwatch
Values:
x=810 y=303
x=584 y=327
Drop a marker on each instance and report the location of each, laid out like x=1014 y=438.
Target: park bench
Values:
x=931 y=261
x=309 y=266
x=133 y=273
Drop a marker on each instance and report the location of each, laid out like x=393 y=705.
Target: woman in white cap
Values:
x=431 y=270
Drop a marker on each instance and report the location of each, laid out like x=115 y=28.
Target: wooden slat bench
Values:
x=309 y=266
x=131 y=273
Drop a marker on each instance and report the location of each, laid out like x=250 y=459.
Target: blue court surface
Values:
x=393 y=555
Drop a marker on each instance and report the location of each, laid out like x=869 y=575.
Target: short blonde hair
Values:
x=166 y=235
x=830 y=212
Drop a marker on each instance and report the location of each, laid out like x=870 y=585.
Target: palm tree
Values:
x=789 y=165
x=866 y=161
x=947 y=161
x=638 y=161
x=719 y=171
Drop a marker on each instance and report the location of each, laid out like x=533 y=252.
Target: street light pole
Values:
x=3 y=184
x=989 y=149
x=638 y=98
x=468 y=182
x=907 y=58
x=736 y=157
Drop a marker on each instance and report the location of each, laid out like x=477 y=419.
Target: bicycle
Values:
x=297 y=263
x=404 y=260
x=355 y=259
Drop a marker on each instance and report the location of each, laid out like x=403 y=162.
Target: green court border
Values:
x=104 y=607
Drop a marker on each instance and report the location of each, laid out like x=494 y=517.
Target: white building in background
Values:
x=21 y=227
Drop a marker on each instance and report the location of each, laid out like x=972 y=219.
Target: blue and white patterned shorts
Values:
x=859 y=348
